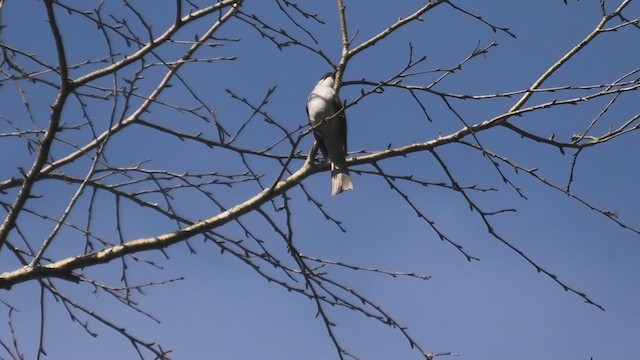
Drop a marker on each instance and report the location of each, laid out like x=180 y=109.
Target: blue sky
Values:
x=497 y=308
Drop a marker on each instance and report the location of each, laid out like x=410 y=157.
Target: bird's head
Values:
x=327 y=79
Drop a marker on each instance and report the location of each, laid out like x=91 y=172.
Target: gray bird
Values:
x=327 y=117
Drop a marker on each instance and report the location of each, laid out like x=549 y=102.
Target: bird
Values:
x=329 y=124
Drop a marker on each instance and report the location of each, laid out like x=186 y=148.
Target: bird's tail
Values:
x=340 y=180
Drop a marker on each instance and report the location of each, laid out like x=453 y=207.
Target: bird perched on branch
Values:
x=329 y=123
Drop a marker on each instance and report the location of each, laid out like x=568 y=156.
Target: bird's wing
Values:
x=341 y=118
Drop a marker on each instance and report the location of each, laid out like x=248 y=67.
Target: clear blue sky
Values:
x=498 y=308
